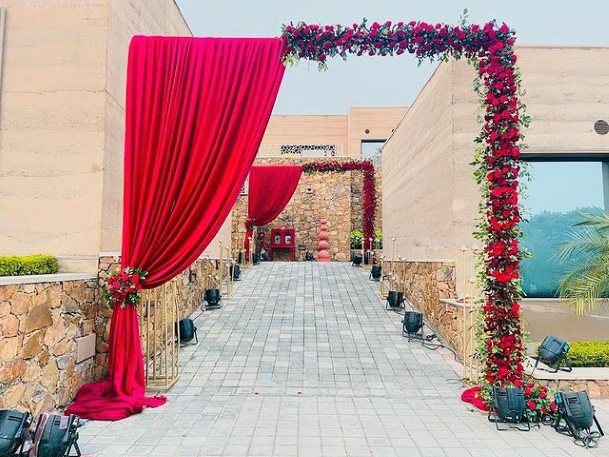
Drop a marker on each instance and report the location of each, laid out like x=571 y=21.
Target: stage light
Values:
x=553 y=352
x=212 y=297
x=186 y=331
x=508 y=406
x=13 y=428
x=576 y=411
x=394 y=299
x=356 y=260
x=375 y=272
x=235 y=272
x=413 y=323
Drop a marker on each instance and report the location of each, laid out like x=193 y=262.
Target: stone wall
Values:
x=39 y=326
x=596 y=388
x=318 y=196
x=41 y=322
x=426 y=284
x=333 y=196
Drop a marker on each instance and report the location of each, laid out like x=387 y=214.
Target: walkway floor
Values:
x=305 y=361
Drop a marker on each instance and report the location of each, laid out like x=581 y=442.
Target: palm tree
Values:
x=586 y=284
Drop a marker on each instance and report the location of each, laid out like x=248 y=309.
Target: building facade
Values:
x=62 y=101
x=296 y=139
x=430 y=199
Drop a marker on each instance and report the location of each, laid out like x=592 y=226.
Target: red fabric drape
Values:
x=196 y=112
x=270 y=190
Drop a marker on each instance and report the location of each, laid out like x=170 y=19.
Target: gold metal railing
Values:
x=159 y=314
x=470 y=358
x=158 y=310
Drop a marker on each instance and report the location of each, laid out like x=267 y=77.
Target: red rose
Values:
x=531 y=405
x=542 y=394
x=553 y=407
x=503 y=372
x=528 y=392
x=515 y=308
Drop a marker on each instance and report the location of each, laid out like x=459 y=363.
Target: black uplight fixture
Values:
x=553 y=353
x=235 y=272
x=375 y=273
x=577 y=413
x=412 y=325
x=395 y=299
x=186 y=331
x=356 y=260
x=213 y=298
x=13 y=427
x=508 y=406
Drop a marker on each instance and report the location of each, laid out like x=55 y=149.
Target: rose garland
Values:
x=369 y=188
x=123 y=287
x=489 y=48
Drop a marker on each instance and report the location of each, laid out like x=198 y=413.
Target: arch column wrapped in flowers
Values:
x=490 y=49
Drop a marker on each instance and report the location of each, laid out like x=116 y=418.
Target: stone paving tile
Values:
x=305 y=361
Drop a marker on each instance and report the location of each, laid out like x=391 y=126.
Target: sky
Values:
x=386 y=81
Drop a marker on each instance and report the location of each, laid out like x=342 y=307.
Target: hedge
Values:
x=36 y=264
x=589 y=354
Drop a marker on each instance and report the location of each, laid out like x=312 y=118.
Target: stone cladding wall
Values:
x=333 y=196
x=39 y=326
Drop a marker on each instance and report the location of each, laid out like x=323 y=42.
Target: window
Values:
x=310 y=150
x=371 y=150
x=559 y=191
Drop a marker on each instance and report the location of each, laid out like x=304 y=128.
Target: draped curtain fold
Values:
x=195 y=115
x=270 y=190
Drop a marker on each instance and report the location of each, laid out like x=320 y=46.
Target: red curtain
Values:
x=196 y=112
x=270 y=190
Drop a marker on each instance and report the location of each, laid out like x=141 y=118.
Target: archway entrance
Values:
x=196 y=112
x=272 y=187
x=489 y=49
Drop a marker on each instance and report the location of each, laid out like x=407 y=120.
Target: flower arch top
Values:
x=489 y=48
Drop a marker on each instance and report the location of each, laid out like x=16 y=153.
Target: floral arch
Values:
x=490 y=50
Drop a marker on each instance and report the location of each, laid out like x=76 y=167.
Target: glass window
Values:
x=371 y=150
x=559 y=191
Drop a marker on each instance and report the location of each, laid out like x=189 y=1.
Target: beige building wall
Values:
x=430 y=199
x=52 y=127
x=372 y=124
x=62 y=123
x=344 y=131
x=304 y=130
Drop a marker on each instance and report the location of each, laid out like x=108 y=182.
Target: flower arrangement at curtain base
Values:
x=369 y=187
x=123 y=287
x=539 y=400
x=489 y=48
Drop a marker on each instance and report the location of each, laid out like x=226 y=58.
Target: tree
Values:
x=586 y=255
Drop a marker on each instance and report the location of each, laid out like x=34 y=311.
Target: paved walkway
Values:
x=305 y=361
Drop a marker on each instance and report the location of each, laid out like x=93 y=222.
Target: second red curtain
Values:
x=270 y=190
x=196 y=112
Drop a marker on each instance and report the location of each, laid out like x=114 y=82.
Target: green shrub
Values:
x=36 y=264
x=378 y=238
x=589 y=354
x=355 y=238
